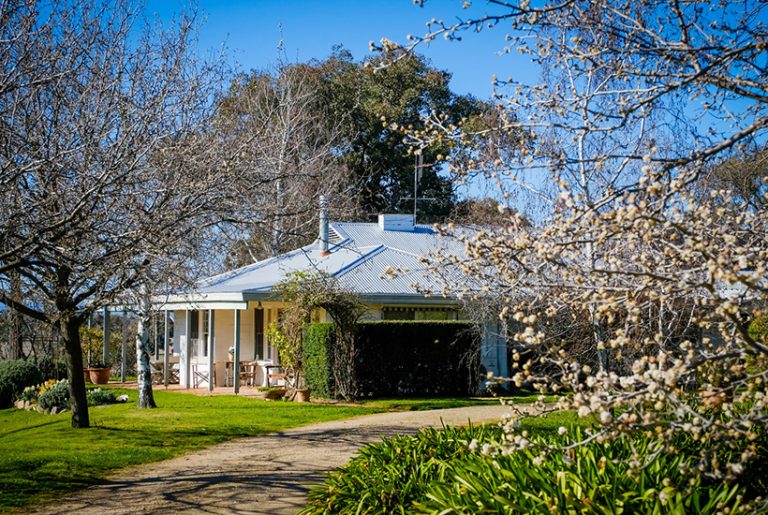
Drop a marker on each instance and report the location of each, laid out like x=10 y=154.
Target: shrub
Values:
x=318 y=372
x=97 y=397
x=14 y=377
x=52 y=369
x=435 y=472
x=593 y=478
x=388 y=477
x=54 y=394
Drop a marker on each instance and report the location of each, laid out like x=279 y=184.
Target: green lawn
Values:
x=41 y=455
x=445 y=402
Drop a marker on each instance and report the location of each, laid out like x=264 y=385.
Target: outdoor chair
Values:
x=156 y=367
x=201 y=374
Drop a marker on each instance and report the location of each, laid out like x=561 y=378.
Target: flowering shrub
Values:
x=29 y=394
x=54 y=394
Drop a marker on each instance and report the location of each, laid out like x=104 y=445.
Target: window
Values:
x=258 y=334
x=194 y=324
x=435 y=315
x=206 y=327
x=398 y=313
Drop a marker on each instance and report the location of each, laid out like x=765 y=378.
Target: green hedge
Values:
x=318 y=373
x=399 y=358
x=14 y=377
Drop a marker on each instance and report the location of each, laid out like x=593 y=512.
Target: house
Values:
x=234 y=309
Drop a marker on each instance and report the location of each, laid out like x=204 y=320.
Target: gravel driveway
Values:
x=262 y=474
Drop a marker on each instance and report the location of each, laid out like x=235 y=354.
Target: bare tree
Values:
x=285 y=147
x=639 y=101
x=99 y=116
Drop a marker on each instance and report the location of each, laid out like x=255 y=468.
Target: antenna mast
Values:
x=418 y=165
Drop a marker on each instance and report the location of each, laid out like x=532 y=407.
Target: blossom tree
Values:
x=635 y=285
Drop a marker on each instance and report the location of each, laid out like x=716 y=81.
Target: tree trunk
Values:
x=70 y=332
x=144 y=371
x=16 y=350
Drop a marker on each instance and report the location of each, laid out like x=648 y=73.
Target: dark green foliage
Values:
x=435 y=472
x=399 y=359
x=318 y=373
x=14 y=377
x=57 y=396
x=388 y=477
x=52 y=369
x=591 y=478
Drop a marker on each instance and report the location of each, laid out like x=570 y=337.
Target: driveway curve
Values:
x=267 y=474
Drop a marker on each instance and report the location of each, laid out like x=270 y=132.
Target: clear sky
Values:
x=251 y=31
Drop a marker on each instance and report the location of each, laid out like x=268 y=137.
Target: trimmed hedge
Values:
x=399 y=358
x=14 y=377
x=318 y=373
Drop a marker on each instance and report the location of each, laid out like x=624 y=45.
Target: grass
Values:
x=420 y=404
x=41 y=455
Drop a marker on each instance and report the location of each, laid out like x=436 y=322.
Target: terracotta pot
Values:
x=302 y=395
x=99 y=375
x=87 y=375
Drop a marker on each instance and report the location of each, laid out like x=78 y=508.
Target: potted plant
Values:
x=231 y=352
x=98 y=372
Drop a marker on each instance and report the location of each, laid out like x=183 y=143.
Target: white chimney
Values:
x=396 y=223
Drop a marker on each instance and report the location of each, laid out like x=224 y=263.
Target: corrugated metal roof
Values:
x=420 y=241
x=359 y=257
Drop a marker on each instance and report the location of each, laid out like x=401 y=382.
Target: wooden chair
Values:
x=278 y=375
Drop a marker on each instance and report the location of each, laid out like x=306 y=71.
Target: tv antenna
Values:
x=418 y=171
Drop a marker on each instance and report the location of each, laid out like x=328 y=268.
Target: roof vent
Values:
x=396 y=222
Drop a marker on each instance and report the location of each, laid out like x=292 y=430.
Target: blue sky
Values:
x=251 y=32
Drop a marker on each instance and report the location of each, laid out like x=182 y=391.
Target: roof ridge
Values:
x=357 y=262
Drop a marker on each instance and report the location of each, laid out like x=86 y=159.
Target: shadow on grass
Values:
x=280 y=466
x=28 y=428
